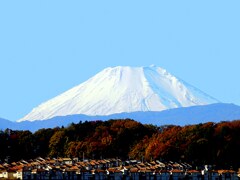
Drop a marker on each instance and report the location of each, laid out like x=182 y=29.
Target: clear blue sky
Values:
x=49 y=46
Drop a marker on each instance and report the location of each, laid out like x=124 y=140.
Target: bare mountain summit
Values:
x=123 y=89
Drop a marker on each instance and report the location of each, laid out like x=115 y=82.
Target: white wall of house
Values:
x=18 y=175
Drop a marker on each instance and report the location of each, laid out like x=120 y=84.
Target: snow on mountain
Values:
x=122 y=89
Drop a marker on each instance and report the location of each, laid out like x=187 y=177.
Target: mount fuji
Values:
x=123 y=89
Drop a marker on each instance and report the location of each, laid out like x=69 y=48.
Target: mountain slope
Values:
x=178 y=116
x=122 y=89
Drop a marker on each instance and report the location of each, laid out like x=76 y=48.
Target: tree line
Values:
x=208 y=143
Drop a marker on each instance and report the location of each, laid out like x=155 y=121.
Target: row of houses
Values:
x=112 y=169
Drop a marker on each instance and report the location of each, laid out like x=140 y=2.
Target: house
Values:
x=115 y=174
x=56 y=174
x=112 y=169
x=150 y=174
x=164 y=174
x=86 y=174
x=18 y=174
x=67 y=161
x=7 y=174
x=134 y=173
x=27 y=173
x=194 y=174
x=211 y=175
x=117 y=162
x=3 y=174
x=176 y=174
x=70 y=174
x=228 y=175
x=100 y=174
x=39 y=174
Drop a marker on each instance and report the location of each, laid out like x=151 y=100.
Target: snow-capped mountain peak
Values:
x=122 y=89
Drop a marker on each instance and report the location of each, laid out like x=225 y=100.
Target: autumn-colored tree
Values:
x=57 y=144
x=208 y=143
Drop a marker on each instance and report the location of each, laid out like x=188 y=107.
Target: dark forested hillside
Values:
x=208 y=143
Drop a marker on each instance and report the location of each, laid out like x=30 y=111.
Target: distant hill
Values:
x=4 y=124
x=179 y=116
